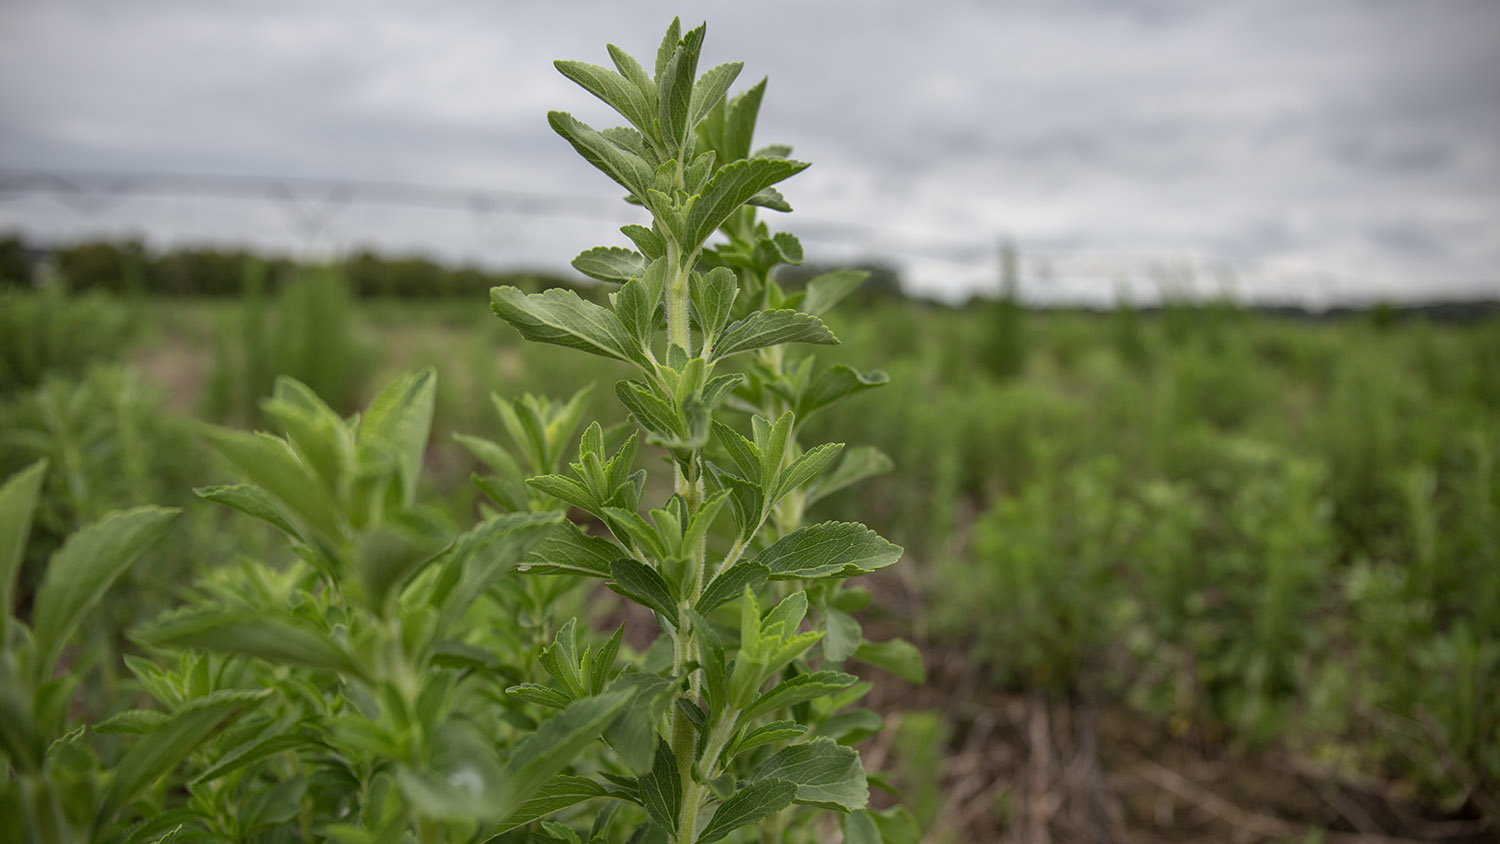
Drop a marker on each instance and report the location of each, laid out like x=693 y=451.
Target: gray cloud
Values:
x=1346 y=139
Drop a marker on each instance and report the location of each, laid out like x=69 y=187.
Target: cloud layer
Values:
x=1330 y=150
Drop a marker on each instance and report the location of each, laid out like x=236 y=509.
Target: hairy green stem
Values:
x=692 y=789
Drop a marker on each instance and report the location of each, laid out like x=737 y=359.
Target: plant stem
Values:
x=677 y=301
x=692 y=789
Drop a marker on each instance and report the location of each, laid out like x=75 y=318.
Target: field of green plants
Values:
x=1181 y=543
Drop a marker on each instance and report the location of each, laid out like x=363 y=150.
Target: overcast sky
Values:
x=1326 y=149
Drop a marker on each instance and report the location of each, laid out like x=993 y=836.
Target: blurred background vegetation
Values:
x=1154 y=555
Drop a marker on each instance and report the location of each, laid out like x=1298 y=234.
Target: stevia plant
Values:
x=377 y=658
x=738 y=707
x=56 y=783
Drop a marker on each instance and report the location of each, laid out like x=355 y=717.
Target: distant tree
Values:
x=15 y=267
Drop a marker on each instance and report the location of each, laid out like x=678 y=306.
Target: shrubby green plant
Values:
x=47 y=333
x=379 y=656
x=1044 y=565
x=55 y=784
x=110 y=444
x=755 y=618
x=306 y=333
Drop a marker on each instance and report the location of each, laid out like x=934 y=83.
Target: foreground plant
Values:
x=751 y=602
x=54 y=787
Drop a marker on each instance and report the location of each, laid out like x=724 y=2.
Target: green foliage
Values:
x=383 y=648
x=314 y=342
x=1043 y=563
x=725 y=738
x=47 y=333
x=56 y=776
x=1005 y=348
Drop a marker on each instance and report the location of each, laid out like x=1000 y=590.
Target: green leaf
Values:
x=610 y=263
x=713 y=295
x=544 y=753
x=711 y=88
x=632 y=70
x=730 y=583
x=768 y=734
x=627 y=169
x=897 y=656
x=753 y=803
x=561 y=659
x=615 y=90
x=799 y=689
x=277 y=639
x=808 y=466
x=674 y=89
x=565 y=489
x=834 y=383
x=568 y=550
x=559 y=793
x=397 y=423
x=772 y=440
x=482 y=555
x=650 y=243
x=388 y=554
x=81 y=571
x=604 y=661
x=708 y=511
x=897 y=826
x=860 y=828
x=771 y=198
x=493 y=456
x=830 y=549
x=851 y=726
x=742 y=451
x=634 y=738
x=739 y=124
x=630 y=528
x=134 y=722
x=17 y=504
x=540 y=695
x=252 y=501
x=458 y=776
x=661 y=789
x=271 y=464
x=772 y=328
x=668 y=47
x=829 y=289
x=720 y=386
x=843 y=635
x=788 y=247
x=827 y=774
x=634 y=143
x=150 y=758
x=639 y=302
x=560 y=317
x=651 y=412
x=698 y=172
x=645 y=586
x=262 y=746
x=20 y=740
x=860 y=462
x=729 y=189
x=321 y=438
